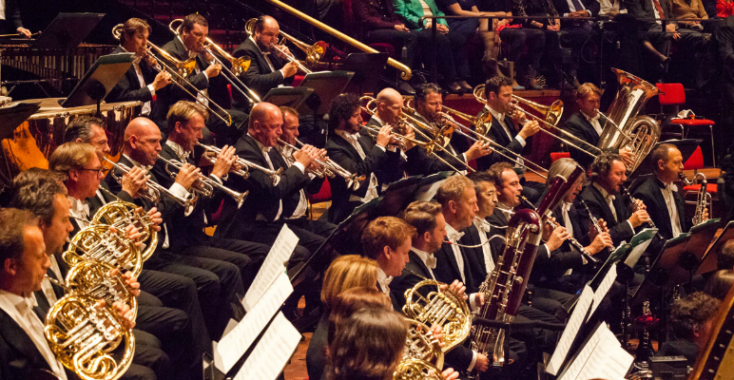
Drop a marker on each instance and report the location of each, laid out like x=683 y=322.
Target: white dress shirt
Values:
x=141 y=79
x=594 y=121
x=384 y=281
x=486 y=248
x=609 y=198
x=608 y=7
x=428 y=259
x=80 y=211
x=287 y=153
x=353 y=140
x=672 y=210
x=454 y=237
x=201 y=95
x=266 y=55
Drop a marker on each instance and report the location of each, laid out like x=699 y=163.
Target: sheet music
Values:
x=273 y=265
x=233 y=345
x=639 y=242
x=570 y=332
x=273 y=351
x=603 y=289
x=601 y=357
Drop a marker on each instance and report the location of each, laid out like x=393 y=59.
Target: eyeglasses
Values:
x=99 y=170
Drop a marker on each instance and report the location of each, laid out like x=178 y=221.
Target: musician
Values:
x=23 y=345
x=268 y=68
x=10 y=21
x=660 y=194
x=356 y=153
x=603 y=199
x=429 y=110
x=141 y=81
x=206 y=77
x=692 y=319
x=388 y=108
x=503 y=131
x=585 y=124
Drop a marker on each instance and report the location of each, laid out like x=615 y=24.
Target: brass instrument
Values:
x=154 y=188
x=98 y=243
x=204 y=185
x=416 y=369
x=624 y=129
x=85 y=338
x=245 y=164
x=442 y=308
x=92 y=279
x=703 y=200
x=239 y=65
x=329 y=168
x=181 y=73
x=635 y=203
x=314 y=52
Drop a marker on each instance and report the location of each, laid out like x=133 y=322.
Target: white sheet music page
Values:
x=273 y=351
x=603 y=289
x=273 y=265
x=608 y=360
x=234 y=344
x=570 y=332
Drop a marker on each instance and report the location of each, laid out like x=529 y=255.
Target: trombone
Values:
x=239 y=65
x=182 y=72
x=245 y=164
x=329 y=168
x=313 y=52
x=154 y=188
x=204 y=185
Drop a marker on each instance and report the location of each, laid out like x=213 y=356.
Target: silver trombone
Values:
x=291 y=58
x=245 y=164
x=154 y=189
x=329 y=168
x=204 y=185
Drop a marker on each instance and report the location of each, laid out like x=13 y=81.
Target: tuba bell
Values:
x=623 y=127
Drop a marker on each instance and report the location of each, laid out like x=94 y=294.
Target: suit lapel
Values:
x=346 y=145
x=20 y=341
x=603 y=202
x=420 y=264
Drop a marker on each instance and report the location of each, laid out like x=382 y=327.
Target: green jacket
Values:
x=412 y=11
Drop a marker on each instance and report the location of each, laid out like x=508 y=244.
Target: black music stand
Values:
x=326 y=85
x=99 y=80
x=67 y=31
x=367 y=68
x=710 y=258
x=671 y=267
x=293 y=97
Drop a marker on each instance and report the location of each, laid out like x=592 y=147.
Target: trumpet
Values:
x=329 y=168
x=182 y=71
x=245 y=164
x=204 y=185
x=239 y=65
x=703 y=201
x=154 y=188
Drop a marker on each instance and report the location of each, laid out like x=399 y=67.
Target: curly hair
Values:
x=603 y=164
x=342 y=108
x=35 y=191
x=425 y=90
x=691 y=312
x=385 y=231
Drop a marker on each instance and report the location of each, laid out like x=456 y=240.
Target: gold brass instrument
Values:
x=204 y=185
x=245 y=164
x=329 y=168
x=92 y=279
x=154 y=188
x=415 y=369
x=441 y=134
x=98 y=243
x=624 y=129
x=703 y=200
x=439 y=307
x=85 y=338
x=314 y=52
x=180 y=72
x=239 y=65
x=422 y=357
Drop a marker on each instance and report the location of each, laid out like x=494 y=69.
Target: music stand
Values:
x=67 y=31
x=710 y=258
x=293 y=97
x=672 y=267
x=367 y=68
x=327 y=85
x=99 y=80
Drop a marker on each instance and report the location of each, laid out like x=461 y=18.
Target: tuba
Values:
x=85 y=338
x=98 y=243
x=703 y=201
x=441 y=308
x=624 y=128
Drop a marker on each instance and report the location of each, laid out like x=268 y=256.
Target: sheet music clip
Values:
x=326 y=85
x=99 y=80
x=294 y=97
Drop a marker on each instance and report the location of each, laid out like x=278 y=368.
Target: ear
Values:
x=387 y=252
x=134 y=142
x=661 y=165
x=78 y=140
x=696 y=330
x=453 y=206
x=427 y=235
x=178 y=127
x=74 y=174
x=10 y=266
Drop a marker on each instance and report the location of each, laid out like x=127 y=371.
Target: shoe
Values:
x=466 y=87
x=405 y=88
x=454 y=88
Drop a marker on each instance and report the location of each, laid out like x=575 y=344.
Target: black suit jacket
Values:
x=12 y=17
x=619 y=230
x=128 y=88
x=344 y=154
x=258 y=76
x=395 y=167
x=477 y=264
x=421 y=163
x=290 y=202
x=590 y=5
x=648 y=189
x=644 y=9
x=497 y=134
x=447 y=269
x=578 y=126
x=264 y=196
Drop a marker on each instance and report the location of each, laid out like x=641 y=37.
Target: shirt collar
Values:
x=264 y=149
x=603 y=192
x=383 y=278
x=666 y=186
x=481 y=226
x=453 y=234
x=428 y=258
x=348 y=136
x=589 y=118
x=135 y=163
x=79 y=208
x=566 y=206
x=495 y=114
x=180 y=152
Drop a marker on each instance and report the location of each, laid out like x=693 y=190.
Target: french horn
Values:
x=120 y=214
x=422 y=357
x=98 y=243
x=93 y=279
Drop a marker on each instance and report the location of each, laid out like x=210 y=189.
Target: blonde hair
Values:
x=71 y=155
x=563 y=167
x=183 y=111
x=346 y=272
x=453 y=189
x=385 y=231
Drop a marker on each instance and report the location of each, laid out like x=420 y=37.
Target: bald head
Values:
x=266 y=32
x=265 y=123
x=389 y=105
x=142 y=141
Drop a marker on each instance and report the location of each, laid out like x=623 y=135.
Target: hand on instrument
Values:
x=600 y=242
x=290 y=69
x=282 y=51
x=225 y=159
x=213 y=70
x=547 y=230
x=124 y=312
x=627 y=156
x=456 y=287
x=557 y=238
x=450 y=374
x=437 y=333
x=530 y=128
x=639 y=217
x=134 y=234
x=401 y=28
x=187 y=175
x=25 y=32
x=306 y=155
x=482 y=364
x=477 y=150
x=156 y=218
x=593 y=231
x=161 y=80
x=134 y=180
x=408 y=142
x=383 y=137
x=131 y=282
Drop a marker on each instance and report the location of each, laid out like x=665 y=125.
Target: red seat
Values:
x=324 y=195
x=695 y=161
x=555 y=156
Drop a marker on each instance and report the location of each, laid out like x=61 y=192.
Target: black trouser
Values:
x=247 y=256
x=149 y=354
x=454 y=66
x=398 y=39
x=517 y=39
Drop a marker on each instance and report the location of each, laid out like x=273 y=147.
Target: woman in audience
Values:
x=685 y=9
x=469 y=8
x=724 y=8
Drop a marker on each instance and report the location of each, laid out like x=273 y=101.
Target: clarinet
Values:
x=635 y=203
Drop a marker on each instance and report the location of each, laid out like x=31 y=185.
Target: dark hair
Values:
x=425 y=90
x=422 y=215
x=719 y=284
x=260 y=23
x=692 y=312
x=661 y=152
x=496 y=170
x=12 y=223
x=367 y=346
x=494 y=84
x=484 y=176
x=350 y=301
x=603 y=164
x=190 y=20
x=342 y=108
x=81 y=128
x=35 y=191
x=133 y=26
x=725 y=260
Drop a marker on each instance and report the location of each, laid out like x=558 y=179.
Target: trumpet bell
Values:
x=550 y=114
